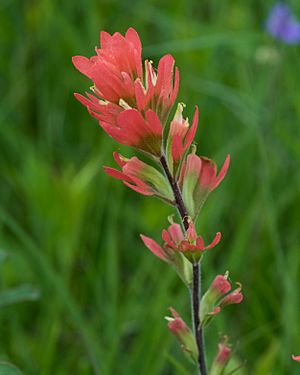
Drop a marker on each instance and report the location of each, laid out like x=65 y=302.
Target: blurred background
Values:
x=79 y=293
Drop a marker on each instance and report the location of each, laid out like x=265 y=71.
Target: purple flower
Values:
x=283 y=25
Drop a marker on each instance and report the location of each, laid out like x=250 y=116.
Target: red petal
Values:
x=215 y=241
x=167 y=239
x=176 y=87
x=118 y=159
x=133 y=37
x=177 y=148
x=139 y=189
x=191 y=234
x=155 y=248
x=83 y=64
x=208 y=173
x=117 y=174
x=222 y=173
x=175 y=232
x=140 y=94
x=154 y=122
x=192 y=132
x=134 y=167
x=200 y=243
x=105 y=40
x=164 y=82
x=215 y=311
x=193 y=165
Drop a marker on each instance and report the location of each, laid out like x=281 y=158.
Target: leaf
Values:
x=9 y=369
x=265 y=363
x=3 y=255
x=18 y=294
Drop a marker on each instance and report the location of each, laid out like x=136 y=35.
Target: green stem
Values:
x=195 y=290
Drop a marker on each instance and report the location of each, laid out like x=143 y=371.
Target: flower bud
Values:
x=183 y=334
x=221 y=358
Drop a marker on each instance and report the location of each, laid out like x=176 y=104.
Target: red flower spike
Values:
x=296 y=358
x=198 y=178
x=140 y=177
x=119 y=85
x=218 y=296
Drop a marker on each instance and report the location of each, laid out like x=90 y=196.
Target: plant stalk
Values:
x=195 y=289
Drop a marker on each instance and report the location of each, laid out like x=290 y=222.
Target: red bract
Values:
x=140 y=177
x=158 y=91
x=115 y=67
x=181 y=136
x=296 y=358
x=119 y=86
x=133 y=130
x=223 y=353
x=183 y=334
x=189 y=245
x=220 y=285
x=176 y=324
x=197 y=179
x=222 y=358
x=234 y=297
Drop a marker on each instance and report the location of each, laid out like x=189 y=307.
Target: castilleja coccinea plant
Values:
x=132 y=102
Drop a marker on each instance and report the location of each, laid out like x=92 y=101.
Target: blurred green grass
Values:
x=73 y=232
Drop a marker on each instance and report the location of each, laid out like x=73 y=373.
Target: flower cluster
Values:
x=131 y=103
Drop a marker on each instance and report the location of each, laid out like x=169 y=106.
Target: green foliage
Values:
x=8 y=369
x=73 y=232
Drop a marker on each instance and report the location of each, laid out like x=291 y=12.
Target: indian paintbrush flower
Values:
x=132 y=102
x=218 y=295
x=296 y=358
x=198 y=177
x=132 y=107
x=283 y=25
x=183 y=334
